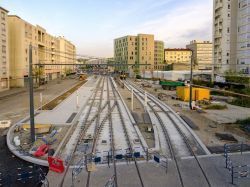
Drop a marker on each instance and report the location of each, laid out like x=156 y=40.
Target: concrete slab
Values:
x=153 y=174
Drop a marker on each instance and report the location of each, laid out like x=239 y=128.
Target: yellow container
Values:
x=183 y=93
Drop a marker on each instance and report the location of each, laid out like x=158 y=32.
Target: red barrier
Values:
x=56 y=164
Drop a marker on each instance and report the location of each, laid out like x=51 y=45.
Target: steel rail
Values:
x=181 y=133
x=95 y=131
x=126 y=134
x=89 y=110
x=170 y=146
x=112 y=135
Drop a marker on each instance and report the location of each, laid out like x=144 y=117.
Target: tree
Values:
x=38 y=73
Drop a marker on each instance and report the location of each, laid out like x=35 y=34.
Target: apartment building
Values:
x=202 y=54
x=158 y=55
x=231 y=27
x=4 y=54
x=134 y=50
x=177 y=58
x=67 y=55
x=243 y=37
x=46 y=51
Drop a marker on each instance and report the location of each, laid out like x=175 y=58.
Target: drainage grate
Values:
x=72 y=116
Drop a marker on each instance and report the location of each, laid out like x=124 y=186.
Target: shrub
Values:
x=215 y=107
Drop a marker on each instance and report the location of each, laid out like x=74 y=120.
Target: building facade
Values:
x=177 y=59
x=46 y=51
x=134 y=50
x=202 y=54
x=67 y=55
x=243 y=37
x=4 y=51
x=231 y=25
x=158 y=55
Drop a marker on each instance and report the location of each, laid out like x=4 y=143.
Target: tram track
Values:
x=189 y=145
x=131 y=152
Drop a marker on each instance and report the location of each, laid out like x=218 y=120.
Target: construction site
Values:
x=105 y=129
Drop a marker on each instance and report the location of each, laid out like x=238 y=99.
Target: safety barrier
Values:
x=161 y=160
x=237 y=171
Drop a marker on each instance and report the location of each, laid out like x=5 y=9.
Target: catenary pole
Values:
x=31 y=93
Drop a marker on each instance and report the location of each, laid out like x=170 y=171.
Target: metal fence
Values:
x=237 y=171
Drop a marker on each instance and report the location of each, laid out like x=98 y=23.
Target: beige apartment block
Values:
x=158 y=55
x=47 y=52
x=178 y=58
x=67 y=55
x=4 y=51
x=202 y=54
x=134 y=50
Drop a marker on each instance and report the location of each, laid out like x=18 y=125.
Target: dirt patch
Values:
x=52 y=104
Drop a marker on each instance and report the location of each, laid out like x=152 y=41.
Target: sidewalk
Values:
x=16 y=91
x=12 y=92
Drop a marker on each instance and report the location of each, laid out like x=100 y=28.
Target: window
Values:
x=3 y=48
x=3 y=15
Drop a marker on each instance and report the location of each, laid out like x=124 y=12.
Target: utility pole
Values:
x=32 y=121
x=132 y=99
x=191 y=82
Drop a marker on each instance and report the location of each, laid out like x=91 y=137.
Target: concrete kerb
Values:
x=143 y=142
x=10 y=135
x=156 y=135
x=187 y=127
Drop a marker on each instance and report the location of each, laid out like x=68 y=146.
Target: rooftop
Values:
x=4 y=9
x=177 y=49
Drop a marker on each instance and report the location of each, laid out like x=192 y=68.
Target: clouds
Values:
x=181 y=25
x=174 y=23
x=93 y=24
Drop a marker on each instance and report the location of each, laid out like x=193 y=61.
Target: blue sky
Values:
x=93 y=24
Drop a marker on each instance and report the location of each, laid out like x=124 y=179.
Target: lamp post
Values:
x=191 y=82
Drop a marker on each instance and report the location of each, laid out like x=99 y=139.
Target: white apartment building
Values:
x=231 y=36
x=4 y=56
x=243 y=38
x=224 y=35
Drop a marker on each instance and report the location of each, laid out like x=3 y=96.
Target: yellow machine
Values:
x=198 y=94
x=82 y=77
x=123 y=76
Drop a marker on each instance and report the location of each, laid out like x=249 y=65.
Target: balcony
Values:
x=218 y=5
x=218 y=35
x=216 y=43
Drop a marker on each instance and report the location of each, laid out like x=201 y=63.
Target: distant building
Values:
x=46 y=49
x=4 y=51
x=137 y=51
x=158 y=55
x=177 y=59
x=67 y=55
x=231 y=38
x=202 y=54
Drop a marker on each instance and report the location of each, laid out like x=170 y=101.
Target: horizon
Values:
x=186 y=21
